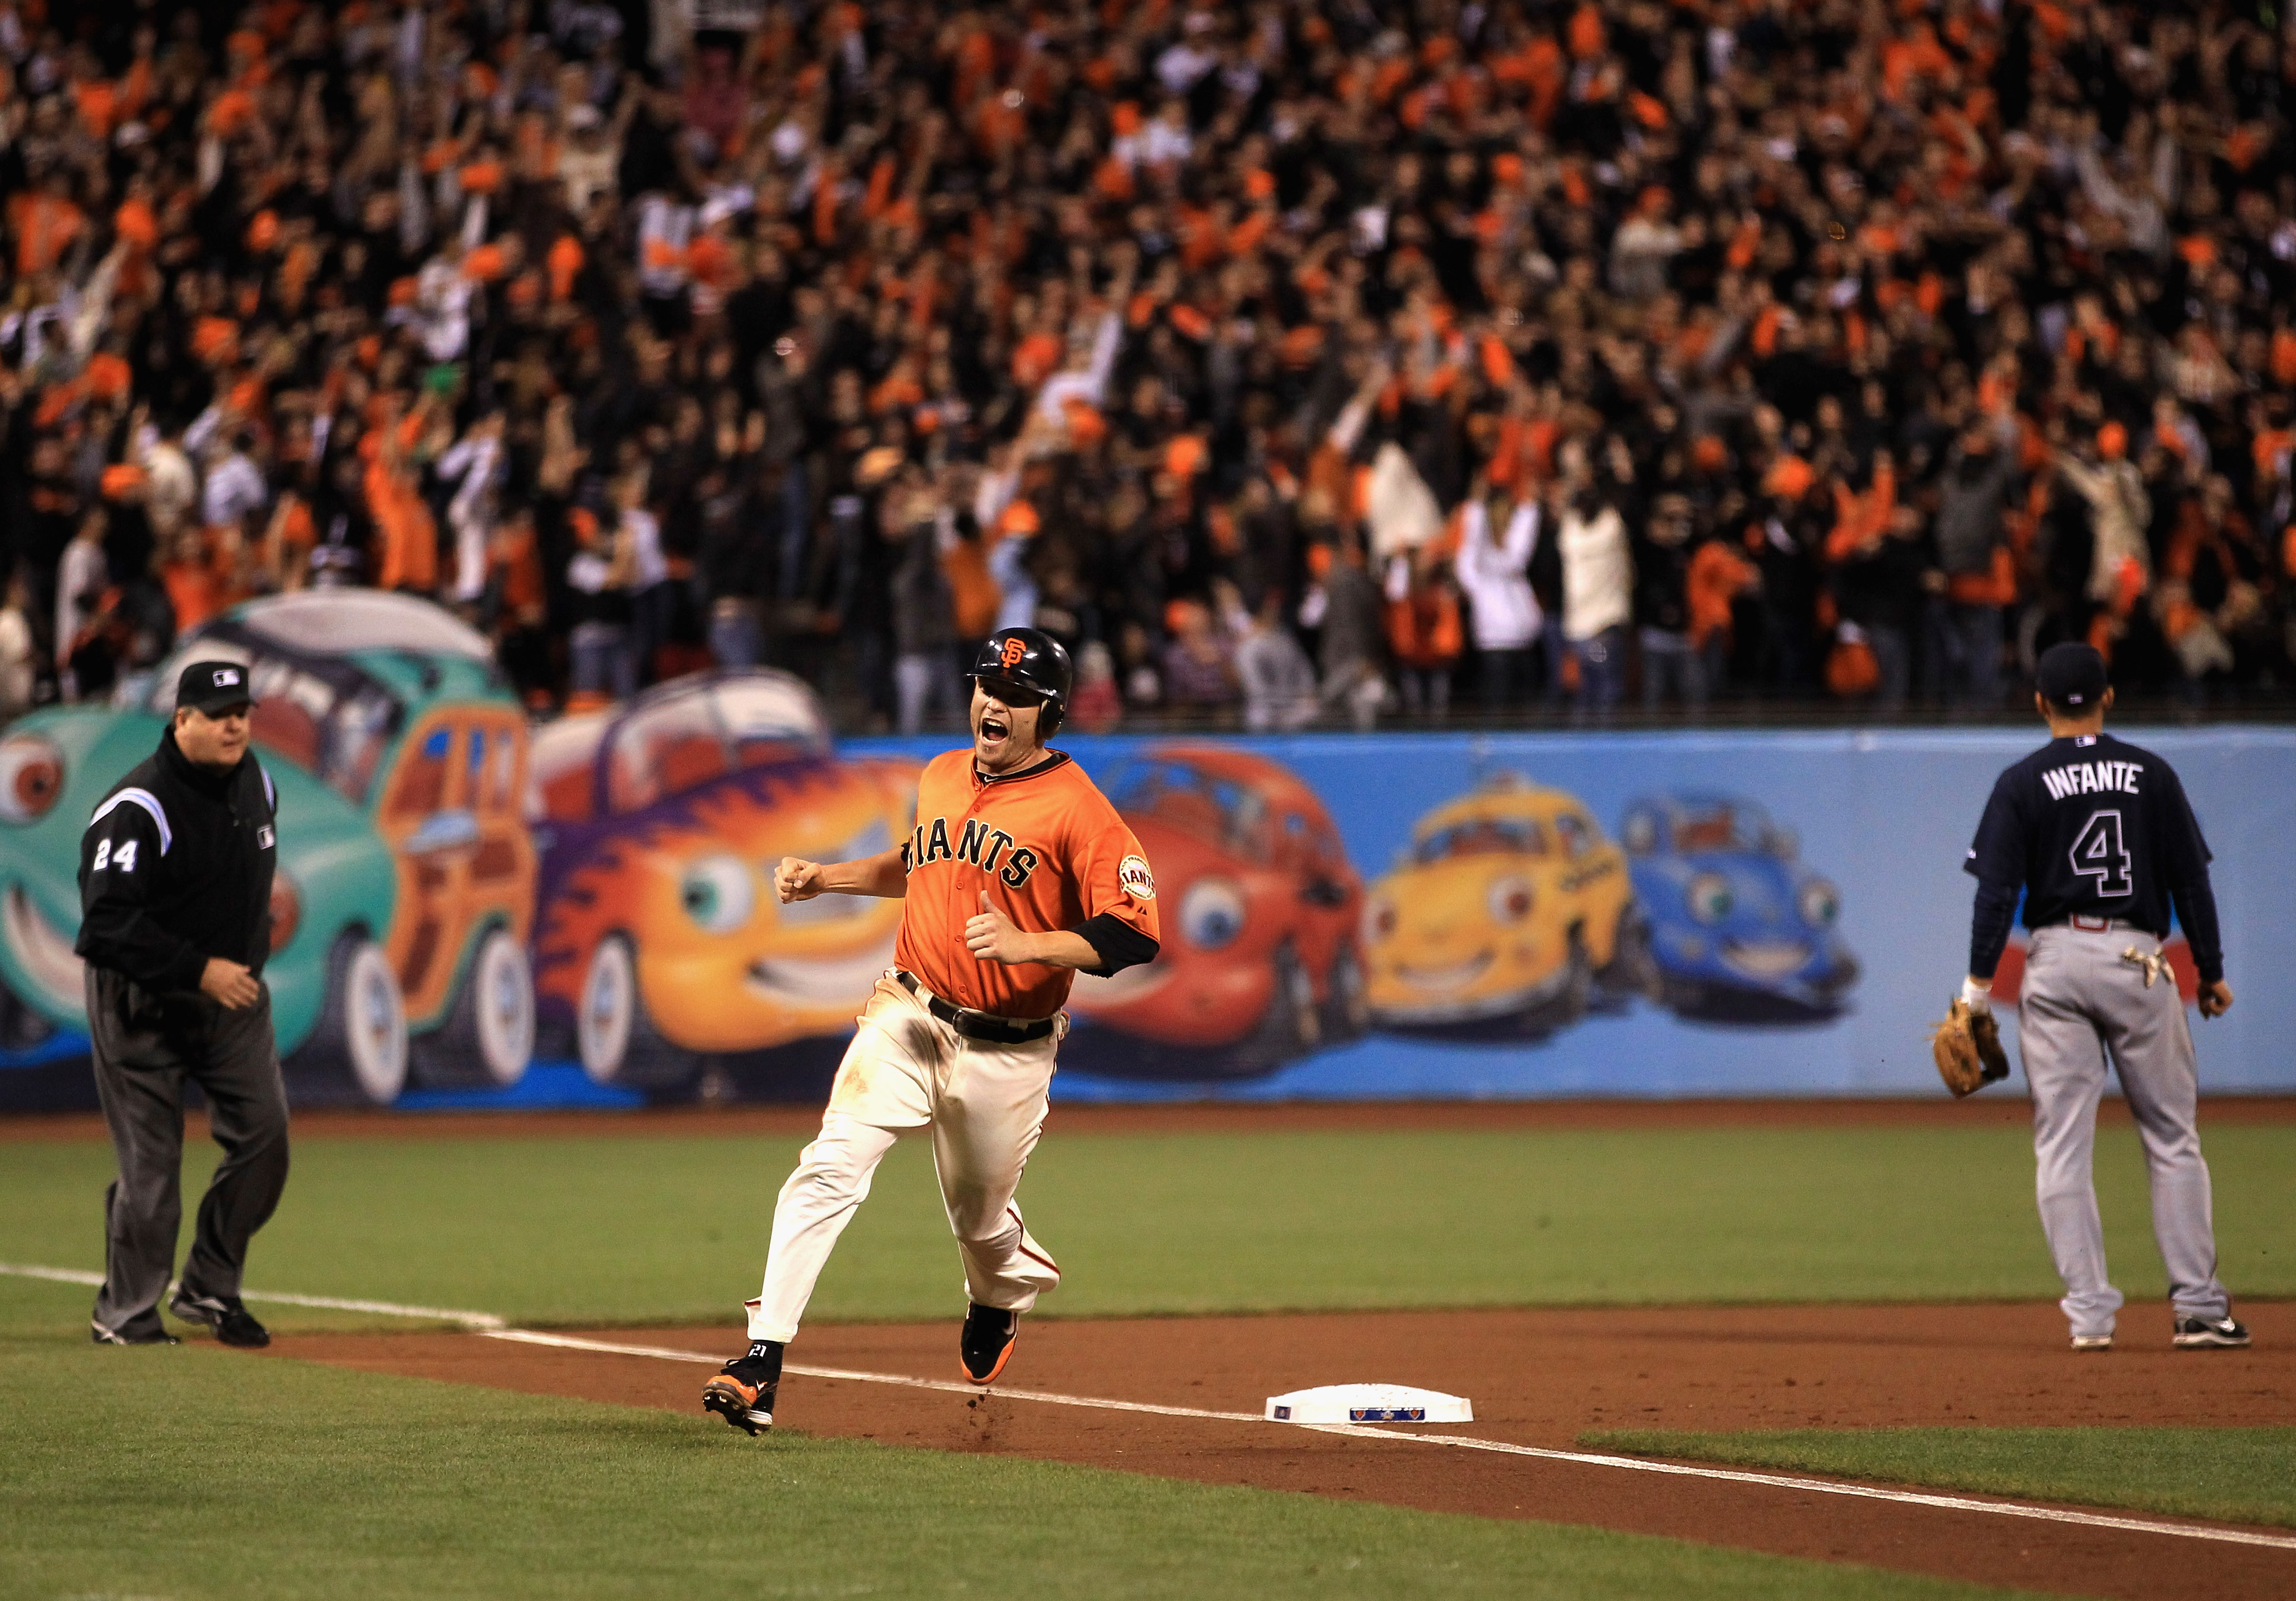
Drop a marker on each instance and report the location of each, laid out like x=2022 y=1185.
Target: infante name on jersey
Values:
x=990 y=850
x=2092 y=777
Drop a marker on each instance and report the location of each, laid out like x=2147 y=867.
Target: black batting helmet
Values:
x=1032 y=661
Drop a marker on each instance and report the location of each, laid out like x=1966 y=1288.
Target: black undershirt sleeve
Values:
x=2188 y=881
x=1117 y=943
x=2196 y=911
x=1988 y=927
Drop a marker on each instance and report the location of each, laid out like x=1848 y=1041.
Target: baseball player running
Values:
x=2100 y=837
x=1019 y=874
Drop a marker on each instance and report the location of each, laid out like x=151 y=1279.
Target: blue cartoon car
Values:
x=1740 y=931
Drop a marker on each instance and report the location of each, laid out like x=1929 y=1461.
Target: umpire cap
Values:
x=1031 y=661
x=213 y=686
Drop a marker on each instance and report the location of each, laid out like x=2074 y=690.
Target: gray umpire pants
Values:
x=145 y=1045
x=2081 y=1000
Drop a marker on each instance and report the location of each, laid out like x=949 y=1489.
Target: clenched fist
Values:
x=798 y=880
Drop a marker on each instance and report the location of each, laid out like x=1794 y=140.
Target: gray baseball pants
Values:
x=2082 y=999
x=145 y=1045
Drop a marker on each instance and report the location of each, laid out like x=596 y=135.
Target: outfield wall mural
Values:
x=472 y=913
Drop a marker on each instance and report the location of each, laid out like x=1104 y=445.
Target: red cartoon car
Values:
x=1259 y=909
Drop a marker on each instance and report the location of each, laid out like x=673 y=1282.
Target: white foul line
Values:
x=480 y=1322
x=495 y=1328
x=1911 y=1497
x=951 y=1386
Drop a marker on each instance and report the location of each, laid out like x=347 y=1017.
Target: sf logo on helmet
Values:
x=1014 y=649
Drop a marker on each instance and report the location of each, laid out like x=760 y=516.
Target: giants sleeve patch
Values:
x=1138 y=882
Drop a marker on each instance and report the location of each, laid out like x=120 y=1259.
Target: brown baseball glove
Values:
x=1967 y=1045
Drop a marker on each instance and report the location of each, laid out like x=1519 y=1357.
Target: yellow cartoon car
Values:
x=1507 y=911
x=658 y=940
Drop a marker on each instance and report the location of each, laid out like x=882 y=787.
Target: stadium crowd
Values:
x=1290 y=359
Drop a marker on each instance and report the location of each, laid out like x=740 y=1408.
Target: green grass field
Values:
x=195 y=1472
x=643 y=1229
x=2241 y=1475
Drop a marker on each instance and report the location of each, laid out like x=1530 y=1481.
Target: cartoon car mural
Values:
x=1260 y=961
x=1739 y=931
x=1505 y=915
x=659 y=940
x=406 y=878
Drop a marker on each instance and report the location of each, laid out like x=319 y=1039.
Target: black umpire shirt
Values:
x=2091 y=826
x=175 y=868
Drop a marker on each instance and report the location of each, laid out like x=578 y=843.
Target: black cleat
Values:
x=742 y=1393
x=100 y=1336
x=987 y=1343
x=2205 y=1334
x=231 y=1322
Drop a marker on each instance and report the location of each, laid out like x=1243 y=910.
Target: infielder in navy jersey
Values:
x=2098 y=835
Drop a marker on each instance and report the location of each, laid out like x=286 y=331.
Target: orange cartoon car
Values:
x=657 y=939
x=1259 y=963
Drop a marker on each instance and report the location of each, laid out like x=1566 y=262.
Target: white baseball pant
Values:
x=2080 y=999
x=986 y=1104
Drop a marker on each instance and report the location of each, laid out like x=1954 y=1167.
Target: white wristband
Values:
x=1976 y=997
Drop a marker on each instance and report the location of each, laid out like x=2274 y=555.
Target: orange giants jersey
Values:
x=1050 y=851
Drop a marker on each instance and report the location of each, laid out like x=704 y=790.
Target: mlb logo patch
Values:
x=226 y=677
x=1137 y=882
x=263 y=837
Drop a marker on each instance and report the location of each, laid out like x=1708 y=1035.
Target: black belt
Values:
x=976 y=1025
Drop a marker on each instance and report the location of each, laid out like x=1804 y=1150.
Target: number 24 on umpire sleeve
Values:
x=125 y=860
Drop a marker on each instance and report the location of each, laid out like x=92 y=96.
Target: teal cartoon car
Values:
x=405 y=889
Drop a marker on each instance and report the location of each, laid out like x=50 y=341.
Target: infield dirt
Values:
x=1537 y=1377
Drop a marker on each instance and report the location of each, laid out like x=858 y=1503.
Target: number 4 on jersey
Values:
x=124 y=860
x=2101 y=853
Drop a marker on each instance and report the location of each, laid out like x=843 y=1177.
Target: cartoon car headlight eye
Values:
x=1380 y=919
x=1510 y=898
x=1211 y=914
x=718 y=893
x=1709 y=897
x=1820 y=903
x=31 y=777
x=286 y=911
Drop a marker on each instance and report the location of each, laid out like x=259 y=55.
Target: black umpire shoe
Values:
x=231 y=1321
x=987 y=1343
x=743 y=1390
x=100 y=1336
x=2203 y=1334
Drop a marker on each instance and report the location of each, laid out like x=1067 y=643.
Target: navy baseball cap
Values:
x=213 y=686
x=2071 y=673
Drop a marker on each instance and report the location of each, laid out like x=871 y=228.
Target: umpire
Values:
x=2100 y=838
x=175 y=877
